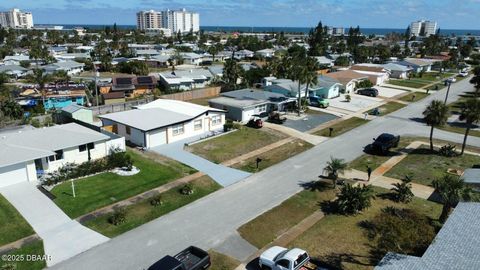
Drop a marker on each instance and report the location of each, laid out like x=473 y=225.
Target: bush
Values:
x=348 y=98
x=118 y=216
x=187 y=189
x=156 y=200
x=35 y=122
x=402 y=231
x=228 y=126
x=364 y=84
x=119 y=159
x=403 y=190
x=354 y=199
x=448 y=151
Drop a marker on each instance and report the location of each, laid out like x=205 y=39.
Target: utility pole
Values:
x=96 y=86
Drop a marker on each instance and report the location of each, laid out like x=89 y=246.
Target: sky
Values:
x=450 y=14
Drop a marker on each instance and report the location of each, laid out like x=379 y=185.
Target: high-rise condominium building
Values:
x=174 y=20
x=423 y=28
x=16 y=19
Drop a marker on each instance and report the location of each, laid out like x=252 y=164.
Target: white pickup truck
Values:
x=279 y=258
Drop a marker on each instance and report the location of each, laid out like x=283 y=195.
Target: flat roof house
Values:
x=164 y=121
x=186 y=79
x=71 y=67
x=417 y=65
x=472 y=177
x=242 y=104
x=14 y=71
x=26 y=154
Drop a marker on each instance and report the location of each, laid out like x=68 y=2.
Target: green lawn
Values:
x=12 y=225
x=339 y=242
x=460 y=130
x=390 y=107
x=342 y=127
x=106 y=188
x=274 y=156
x=221 y=261
x=268 y=226
x=201 y=101
x=33 y=250
x=414 y=96
x=426 y=166
x=143 y=212
x=235 y=144
x=409 y=83
x=436 y=87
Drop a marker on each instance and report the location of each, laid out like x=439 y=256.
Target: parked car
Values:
x=450 y=80
x=280 y=258
x=274 y=117
x=191 y=258
x=318 y=102
x=371 y=92
x=255 y=122
x=463 y=74
x=383 y=143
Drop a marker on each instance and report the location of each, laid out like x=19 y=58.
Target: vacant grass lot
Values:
x=34 y=248
x=339 y=242
x=427 y=166
x=143 y=212
x=106 y=188
x=268 y=226
x=409 y=83
x=12 y=225
x=201 y=101
x=390 y=107
x=221 y=261
x=414 y=96
x=273 y=156
x=235 y=144
x=342 y=127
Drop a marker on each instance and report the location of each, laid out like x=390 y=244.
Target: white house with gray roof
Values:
x=186 y=79
x=26 y=154
x=71 y=67
x=164 y=121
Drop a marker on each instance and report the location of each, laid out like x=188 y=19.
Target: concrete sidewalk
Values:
x=62 y=237
x=296 y=134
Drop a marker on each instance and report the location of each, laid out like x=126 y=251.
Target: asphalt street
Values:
x=211 y=220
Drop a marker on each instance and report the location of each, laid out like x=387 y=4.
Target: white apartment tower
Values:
x=174 y=20
x=16 y=19
x=423 y=28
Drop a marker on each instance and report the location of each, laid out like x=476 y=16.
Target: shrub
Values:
x=348 y=98
x=118 y=216
x=403 y=190
x=35 y=122
x=228 y=126
x=187 y=189
x=156 y=200
x=354 y=199
x=8 y=266
x=448 y=151
x=402 y=231
x=119 y=159
x=364 y=84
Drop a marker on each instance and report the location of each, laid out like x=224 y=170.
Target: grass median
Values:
x=12 y=225
x=341 y=127
x=34 y=261
x=221 y=261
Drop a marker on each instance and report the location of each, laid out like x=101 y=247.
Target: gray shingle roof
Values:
x=73 y=108
x=456 y=246
x=471 y=176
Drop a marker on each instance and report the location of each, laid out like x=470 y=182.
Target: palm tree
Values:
x=309 y=74
x=403 y=190
x=334 y=167
x=61 y=76
x=41 y=79
x=470 y=113
x=353 y=199
x=475 y=80
x=451 y=189
x=435 y=115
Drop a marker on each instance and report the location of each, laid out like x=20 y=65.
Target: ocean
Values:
x=263 y=29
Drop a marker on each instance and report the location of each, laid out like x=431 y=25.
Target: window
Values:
x=177 y=129
x=283 y=263
x=58 y=156
x=82 y=148
x=128 y=130
x=91 y=146
x=197 y=124
x=262 y=108
x=216 y=120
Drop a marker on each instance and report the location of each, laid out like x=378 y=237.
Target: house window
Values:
x=216 y=120
x=58 y=156
x=128 y=130
x=82 y=148
x=262 y=108
x=197 y=124
x=91 y=146
x=177 y=130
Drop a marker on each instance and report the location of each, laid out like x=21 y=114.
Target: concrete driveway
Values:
x=309 y=121
x=357 y=103
x=388 y=92
x=223 y=175
x=62 y=237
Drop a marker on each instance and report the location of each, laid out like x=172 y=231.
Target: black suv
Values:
x=383 y=143
x=371 y=92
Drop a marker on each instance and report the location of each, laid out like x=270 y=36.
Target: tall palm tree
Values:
x=61 y=76
x=309 y=74
x=475 y=80
x=435 y=115
x=451 y=189
x=334 y=167
x=470 y=113
x=40 y=78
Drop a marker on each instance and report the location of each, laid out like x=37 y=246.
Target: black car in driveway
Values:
x=371 y=92
x=383 y=143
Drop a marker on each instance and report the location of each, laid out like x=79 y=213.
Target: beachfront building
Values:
x=16 y=19
x=173 y=20
x=423 y=28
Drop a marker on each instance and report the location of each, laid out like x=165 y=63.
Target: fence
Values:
x=119 y=107
x=194 y=94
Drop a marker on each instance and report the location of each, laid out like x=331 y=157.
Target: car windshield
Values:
x=280 y=255
x=384 y=138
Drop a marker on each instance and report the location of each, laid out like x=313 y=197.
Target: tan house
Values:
x=348 y=79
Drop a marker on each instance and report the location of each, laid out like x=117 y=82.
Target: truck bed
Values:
x=192 y=257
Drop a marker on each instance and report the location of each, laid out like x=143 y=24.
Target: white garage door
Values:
x=157 y=138
x=13 y=174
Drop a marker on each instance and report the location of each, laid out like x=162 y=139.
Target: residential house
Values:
x=192 y=58
x=71 y=56
x=325 y=87
x=77 y=112
x=456 y=245
x=417 y=65
x=472 y=178
x=242 y=54
x=26 y=155
x=265 y=53
x=285 y=87
x=14 y=71
x=242 y=104
x=324 y=61
x=164 y=121
x=186 y=79
x=71 y=67
x=377 y=74
x=146 y=53
x=348 y=79
x=16 y=59
x=397 y=71
x=131 y=86
x=158 y=61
